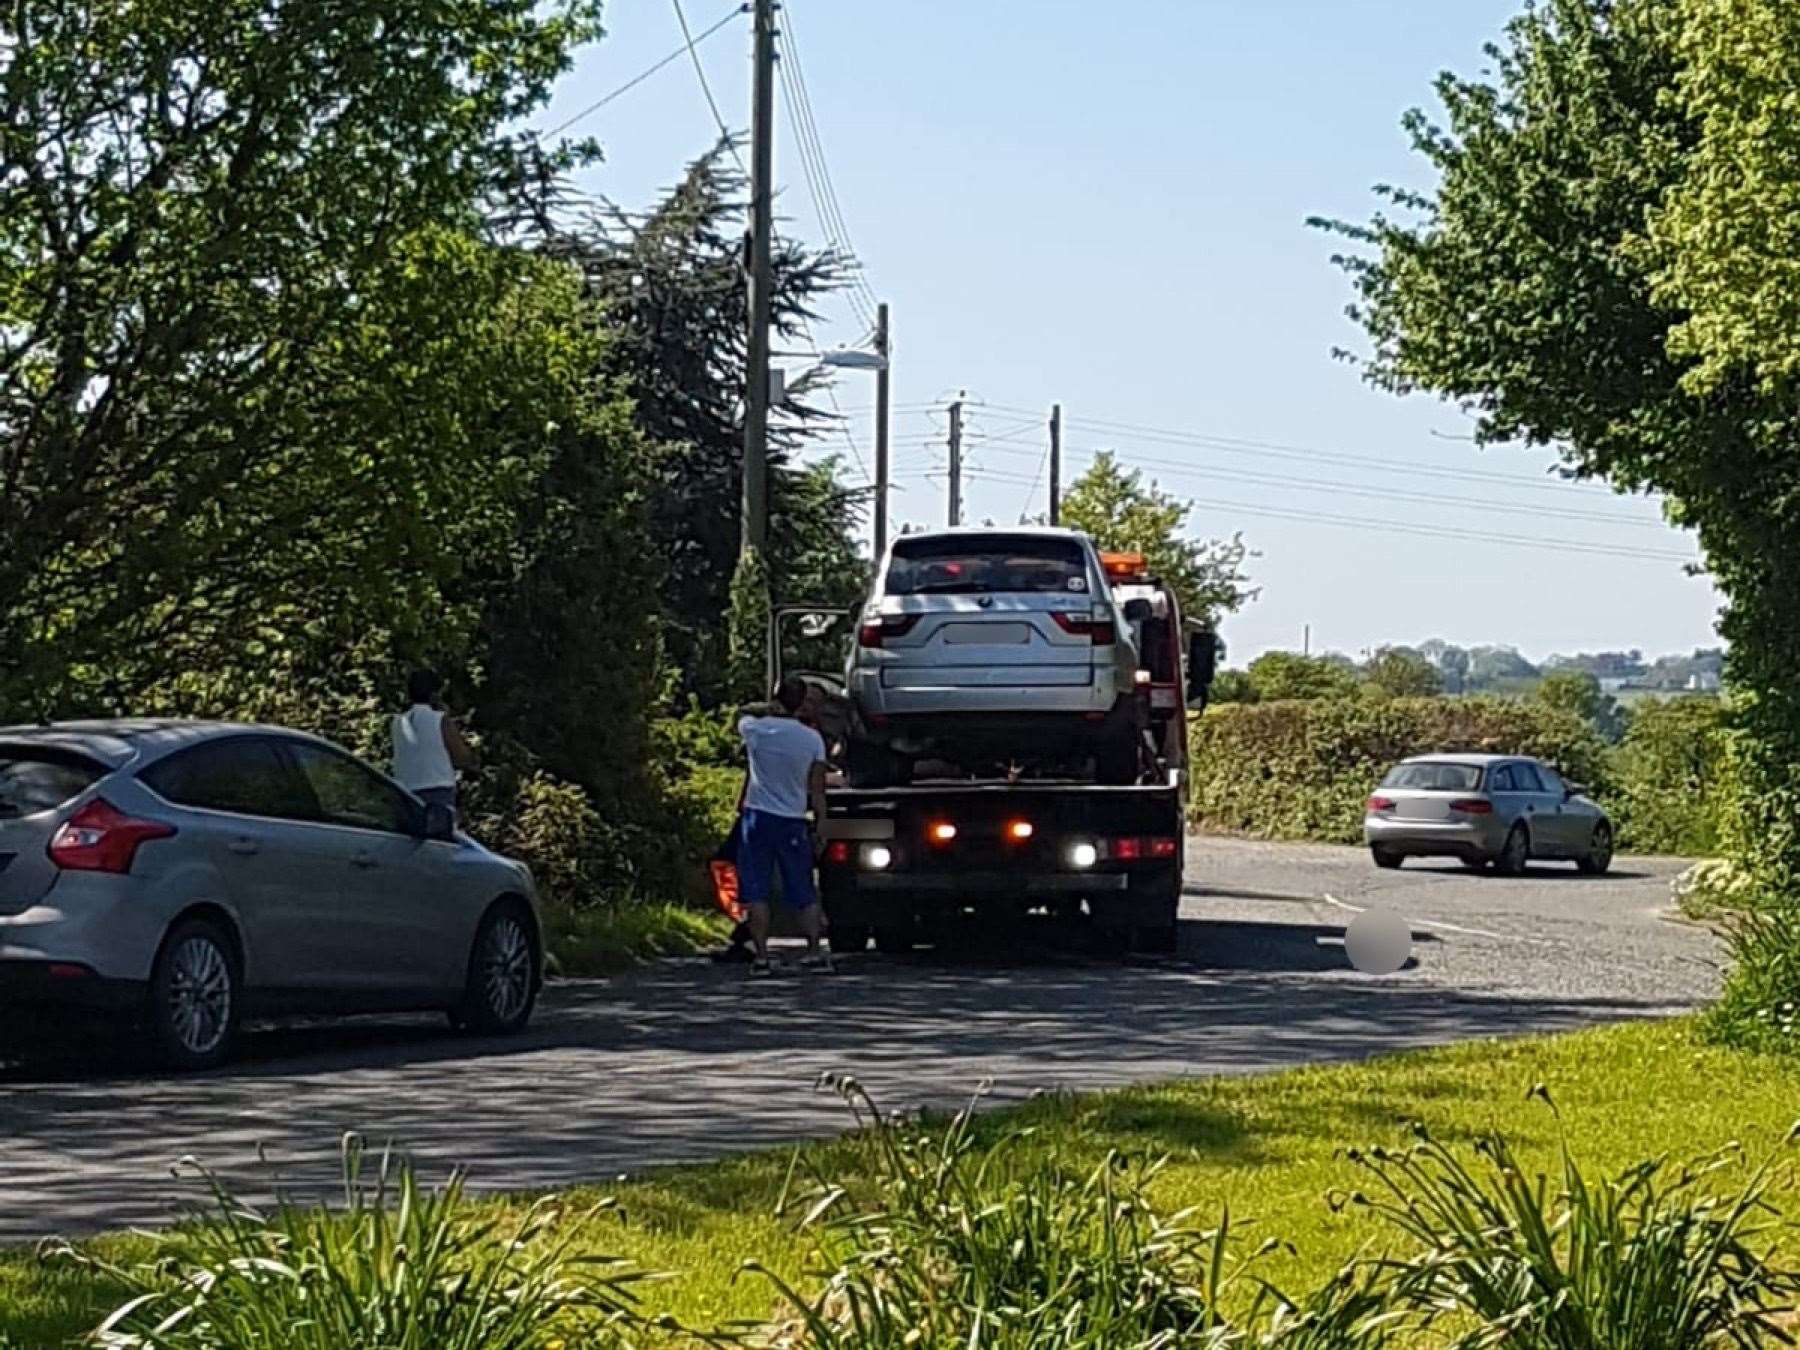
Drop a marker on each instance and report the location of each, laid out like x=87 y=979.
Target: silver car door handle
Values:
x=244 y=847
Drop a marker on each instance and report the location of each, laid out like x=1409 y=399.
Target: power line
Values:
x=824 y=191
x=705 y=87
x=634 y=82
x=1176 y=469
x=1425 y=531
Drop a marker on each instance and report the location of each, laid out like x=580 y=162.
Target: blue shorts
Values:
x=771 y=842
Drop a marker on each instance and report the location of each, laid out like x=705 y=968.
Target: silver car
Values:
x=1499 y=809
x=189 y=874
x=982 y=645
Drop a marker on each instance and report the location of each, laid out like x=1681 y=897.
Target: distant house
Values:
x=1704 y=682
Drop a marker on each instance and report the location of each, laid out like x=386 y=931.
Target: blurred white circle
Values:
x=1379 y=941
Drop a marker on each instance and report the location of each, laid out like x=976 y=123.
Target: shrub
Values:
x=1712 y=889
x=1301 y=769
x=1670 y=777
x=399 y=1268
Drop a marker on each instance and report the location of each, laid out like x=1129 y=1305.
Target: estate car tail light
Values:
x=1099 y=631
x=1472 y=806
x=1381 y=804
x=101 y=838
x=875 y=631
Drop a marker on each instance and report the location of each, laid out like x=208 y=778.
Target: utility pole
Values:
x=956 y=462
x=754 y=529
x=1056 y=464
x=881 y=433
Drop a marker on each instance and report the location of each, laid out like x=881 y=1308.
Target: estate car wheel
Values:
x=195 y=996
x=1514 y=854
x=1386 y=857
x=1600 y=851
x=503 y=974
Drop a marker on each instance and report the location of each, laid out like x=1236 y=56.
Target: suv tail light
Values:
x=1100 y=630
x=101 y=838
x=1380 y=804
x=1473 y=806
x=874 y=631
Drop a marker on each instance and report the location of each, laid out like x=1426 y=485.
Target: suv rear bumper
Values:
x=65 y=984
x=1003 y=732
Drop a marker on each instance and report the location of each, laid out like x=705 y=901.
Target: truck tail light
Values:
x=940 y=832
x=1472 y=806
x=1150 y=848
x=1097 y=629
x=1380 y=804
x=101 y=838
x=1020 y=830
x=837 y=852
x=876 y=631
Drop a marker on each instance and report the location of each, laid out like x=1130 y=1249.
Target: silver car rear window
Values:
x=1434 y=777
x=42 y=780
x=986 y=565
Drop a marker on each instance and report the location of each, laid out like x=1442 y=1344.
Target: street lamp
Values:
x=852 y=358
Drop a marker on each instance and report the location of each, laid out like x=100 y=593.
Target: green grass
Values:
x=604 y=939
x=1271 y=1147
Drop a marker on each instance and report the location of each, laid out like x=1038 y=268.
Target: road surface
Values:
x=685 y=1060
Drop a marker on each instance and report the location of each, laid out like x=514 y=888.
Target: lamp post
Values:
x=850 y=358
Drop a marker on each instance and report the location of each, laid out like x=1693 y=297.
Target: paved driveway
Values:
x=686 y=1060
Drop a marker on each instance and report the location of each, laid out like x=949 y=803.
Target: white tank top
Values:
x=420 y=759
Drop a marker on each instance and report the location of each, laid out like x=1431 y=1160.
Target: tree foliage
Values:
x=1580 y=693
x=260 y=384
x=1289 y=675
x=1401 y=672
x=1123 y=513
x=672 y=290
x=1605 y=266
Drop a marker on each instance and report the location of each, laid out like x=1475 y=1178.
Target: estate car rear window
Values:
x=981 y=566
x=1434 y=777
x=42 y=780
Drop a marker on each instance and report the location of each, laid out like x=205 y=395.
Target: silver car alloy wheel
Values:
x=199 y=995
x=506 y=968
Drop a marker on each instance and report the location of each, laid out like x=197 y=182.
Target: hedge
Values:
x=1303 y=769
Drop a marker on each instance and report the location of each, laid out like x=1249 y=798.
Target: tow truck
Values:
x=904 y=865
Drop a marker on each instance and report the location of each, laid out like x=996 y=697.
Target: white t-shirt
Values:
x=420 y=759
x=782 y=753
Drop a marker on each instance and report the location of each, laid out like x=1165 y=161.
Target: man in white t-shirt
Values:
x=787 y=780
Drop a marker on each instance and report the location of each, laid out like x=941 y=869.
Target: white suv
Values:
x=991 y=649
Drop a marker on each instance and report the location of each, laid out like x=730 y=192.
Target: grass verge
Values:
x=604 y=939
x=1272 y=1148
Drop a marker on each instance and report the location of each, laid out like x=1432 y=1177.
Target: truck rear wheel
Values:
x=849 y=939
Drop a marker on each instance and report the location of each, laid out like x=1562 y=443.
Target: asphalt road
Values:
x=686 y=1060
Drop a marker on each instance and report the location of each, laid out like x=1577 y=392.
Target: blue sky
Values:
x=1104 y=206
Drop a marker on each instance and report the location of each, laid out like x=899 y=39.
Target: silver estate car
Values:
x=188 y=874
x=978 y=642
x=1499 y=809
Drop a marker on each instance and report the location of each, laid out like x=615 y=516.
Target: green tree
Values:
x=1124 y=514
x=257 y=382
x=1232 y=686
x=671 y=288
x=1580 y=207
x=1284 y=675
x=1402 y=673
x=1578 y=692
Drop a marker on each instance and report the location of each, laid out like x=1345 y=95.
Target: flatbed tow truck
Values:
x=907 y=865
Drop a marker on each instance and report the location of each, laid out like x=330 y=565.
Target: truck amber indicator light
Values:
x=941 y=832
x=1019 y=831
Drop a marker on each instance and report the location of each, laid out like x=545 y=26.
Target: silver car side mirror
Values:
x=440 y=822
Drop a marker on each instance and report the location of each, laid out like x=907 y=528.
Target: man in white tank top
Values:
x=428 y=746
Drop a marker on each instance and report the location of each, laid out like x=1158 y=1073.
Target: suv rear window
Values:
x=42 y=780
x=1434 y=777
x=985 y=565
